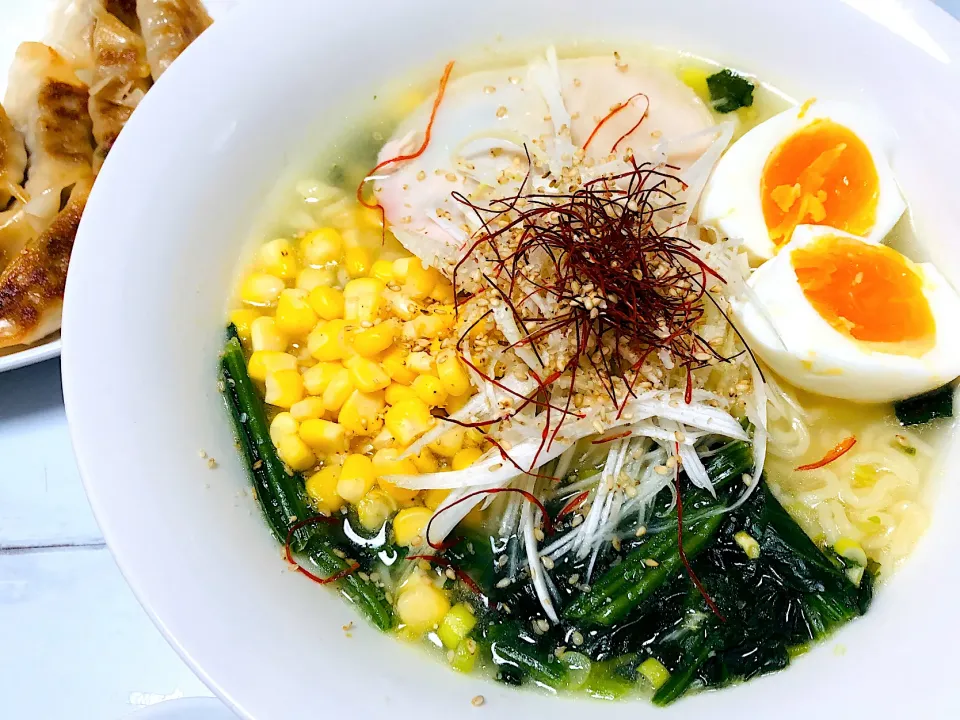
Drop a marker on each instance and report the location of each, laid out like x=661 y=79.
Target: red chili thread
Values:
x=616 y=108
x=611 y=438
x=573 y=505
x=300 y=569
x=461 y=574
x=836 y=452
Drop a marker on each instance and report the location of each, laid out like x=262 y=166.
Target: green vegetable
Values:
x=517 y=653
x=925 y=408
x=729 y=91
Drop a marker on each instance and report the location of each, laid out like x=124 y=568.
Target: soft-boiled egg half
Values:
x=823 y=163
x=846 y=318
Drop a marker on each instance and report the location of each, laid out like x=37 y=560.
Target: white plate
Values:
x=143 y=327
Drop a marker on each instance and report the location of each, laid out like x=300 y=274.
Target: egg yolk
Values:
x=823 y=174
x=868 y=292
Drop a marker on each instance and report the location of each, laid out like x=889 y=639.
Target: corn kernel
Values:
x=443 y=292
x=264 y=335
x=474 y=438
x=278 y=257
x=317 y=378
x=429 y=389
x=357 y=261
x=338 y=390
x=394 y=362
x=362 y=299
x=396 y=392
x=427 y=326
x=327 y=302
x=264 y=362
x=410 y=524
x=400 y=268
x=426 y=461
x=328 y=341
x=421 y=362
x=261 y=289
x=323 y=436
x=242 y=319
x=375 y=508
x=419 y=281
x=385 y=462
x=295 y=317
x=408 y=420
x=356 y=478
x=434 y=498
x=400 y=305
x=456 y=625
x=310 y=279
x=373 y=341
x=308 y=408
x=382 y=270
x=448 y=444
x=295 y=453
x=361 y=413
x=421 y=606
x=367 y=375
x=453 y=373
x=284 y=388
x=383 y=439
x=282 y=425
x=455 y=403
x=465 y=458
x=321 y=247
x=322 y=490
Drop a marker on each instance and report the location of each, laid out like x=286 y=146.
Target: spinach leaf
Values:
x=729 y=91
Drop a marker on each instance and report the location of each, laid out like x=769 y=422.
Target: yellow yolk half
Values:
x=868 y=292
x=823 y=174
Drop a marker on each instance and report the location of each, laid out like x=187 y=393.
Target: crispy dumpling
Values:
x=47 y=103
x=121 y=79
x=124 y=10
x=168 y=27
x=32 y=286
x=13 y=161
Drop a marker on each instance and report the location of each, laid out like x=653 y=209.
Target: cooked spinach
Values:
x=925 y=408
x=729 y=91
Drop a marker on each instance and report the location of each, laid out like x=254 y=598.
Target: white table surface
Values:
x=74 y=642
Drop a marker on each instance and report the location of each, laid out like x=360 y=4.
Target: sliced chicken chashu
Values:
x=121 y=79
x=13 y=161
x=47 y=104
x=168 y=27
x=31 y=287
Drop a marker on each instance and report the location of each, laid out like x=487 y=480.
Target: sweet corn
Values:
x=261 y=289
x=317 y=378
x=328 y=341
x=356 y=478
x=408 y=420
x=361 y=413
x=420 y=362
x=474 y=438
x=426 y=461
x=242 y=319
x=443 y=292
x=455 y=403
x=400 y=268
x=366 y=374
x=278 y=257
x=284 y=388
x=338 y=390
x=448 y=444
x=295 y=317
x=321 y=247
x=465 y=458
x=410 y=524
x=401 y=305
x=394 y=362
x=323 y=436
x=396 y=392
x=264 y=362
x=434 y=498
x=282 y=425
x=453 y=373
x=327 y=302
x=429 y=389
x=362 y=300
x=383 y=439
x=311 y=278
x=385 y=462
x=308 y=409
x=357 y=261
x=373 y=341
x=264 y=335
x=427 y=326
x=421 y=606
x=295 y=453
x=419 y=281
x=382 y=270
x=456 y=625
x=322 y=490
x=375 y=508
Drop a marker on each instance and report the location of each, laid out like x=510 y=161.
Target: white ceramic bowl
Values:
x=159 y=248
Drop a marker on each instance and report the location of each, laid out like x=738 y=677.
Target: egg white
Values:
x=789 y=335
x=731 y=201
